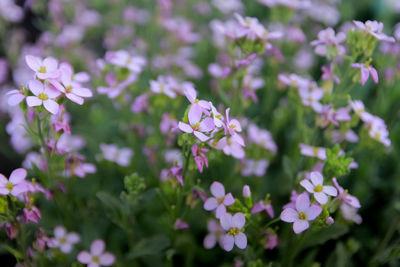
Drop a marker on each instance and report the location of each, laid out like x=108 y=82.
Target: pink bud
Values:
x=329 y=220
x=246 y=191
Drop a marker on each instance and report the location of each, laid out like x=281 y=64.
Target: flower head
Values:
x=15 y=185
x=44 y=69
x=315 y=186
x=96 y=257
x=43 y=95
x=63 y=240
x=301 y=214
x=220 y=201
x=233 y=225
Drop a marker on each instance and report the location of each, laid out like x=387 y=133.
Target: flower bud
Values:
x=246 y=191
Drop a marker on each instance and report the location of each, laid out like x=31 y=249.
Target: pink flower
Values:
x=328 y=40
x=140 y=104
x=200 y=157
x=80 y=77
x=374 y=28
x=180 y=225
x=220 y=201
x=234 y=227
x=317 y=188
x=231 y=147
x=313 y=151
x=366 y=71
x=31 y=214
x=45 y=69
x=345 y=197
x=44 y=95
x=63 y=240
x=255 y=167
x=75 y=165
x=161 y=85
x=263 y=205
x=301 y=214
x=272 y=240
x=97 y=257
x=196 y=126
x=15 y=97
x=328 y=73
x=122 y=58
x=246 y=191
x=312 y=98
x=114 y=154
x=215 y=234
x=198 y=106
x=233 y=127
x=72 y=90
x=261 y=137
x=15 y=185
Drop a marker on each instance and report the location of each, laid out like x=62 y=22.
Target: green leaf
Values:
x=322 y=235
x=150 y=246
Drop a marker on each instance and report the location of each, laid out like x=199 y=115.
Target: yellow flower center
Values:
x=302 y=216
x=318 y=188
x=68 y=89
x=63 y=240
x=220 y=200
x=95 y=259
x=196 y=126
x=43 y=97
x=196 y=101
x=9 y=186
x=315 y=150
x=42 y=69
x=233 y=231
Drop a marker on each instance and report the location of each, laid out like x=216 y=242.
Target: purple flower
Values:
x=220 y=201
x=114 y=154
x=328 y=73
x=140 y=104
x=366 y=71
x=200 y=157
x=233 y=127
x=44 y=95
x=180 y=225
x=197 y=126
x=15 y=97
x=234 y=227
x=72 y=90
x=231 y=147
x=31 y=214
x=313 y=151
x=326 y=40
x=15 y=185
x=263 y=205
x=315 y=186
x=161 y=85
x=45 y=69
x=272 y=239
x=374 y=28
x=312 y=98
x=301 y=214
x=63 y=240
x=254 y=167
x=215 y=234
x=246 y=191
x=96 y=257
x=345 y=197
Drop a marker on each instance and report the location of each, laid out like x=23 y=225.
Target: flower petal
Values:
x=229 y=200
x=210 y=204
x=241 y=240
x=321 y=198
x=217 y=189
x=307 y=185
x=33 y=101
x=17 y=176
x=84 y=257
x=330 y=190
x=313 y=212
x=289 y=215
x=33 y=62
x=299 y=226
x=228 y=242
x=51 y=106
x=35 y=87
x=316 y=178
x=302 y=202
x=238 y=220
x=107 y=259
x=59 y=232
x=97 y=247
x=209 y=241
x=184 y=127
x=226 y=221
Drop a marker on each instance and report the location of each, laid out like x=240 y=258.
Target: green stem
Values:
x=46 y=151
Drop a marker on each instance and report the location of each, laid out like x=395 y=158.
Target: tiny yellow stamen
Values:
x=233 y=231
x=318 y=188
x=302 y=216
x=43 y=97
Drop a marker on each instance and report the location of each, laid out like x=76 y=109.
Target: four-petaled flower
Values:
x=15 y=185
x=301 y=214
x=316 y=187
x=366 y=70
x=63 y=240
x=234 y=227
x=45 y=69
x=96 y=257
x=220 y=201
x=44 y=95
